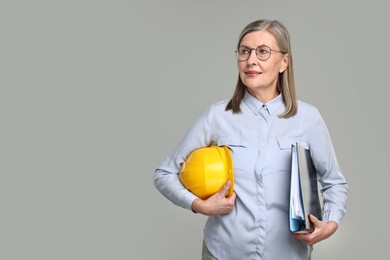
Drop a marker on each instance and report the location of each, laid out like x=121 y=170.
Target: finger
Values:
x=232 y=198
x=314 y=220
x=225 y=188
x=231 y=201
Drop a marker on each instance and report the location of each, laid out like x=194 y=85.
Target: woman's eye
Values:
x=263 y=51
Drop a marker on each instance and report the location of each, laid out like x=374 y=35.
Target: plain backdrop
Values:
x=95 y=94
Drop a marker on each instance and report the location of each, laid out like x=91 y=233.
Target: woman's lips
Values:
x=252 y=73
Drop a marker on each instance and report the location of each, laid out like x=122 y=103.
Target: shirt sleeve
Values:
x=166 y=176
x=334 y=186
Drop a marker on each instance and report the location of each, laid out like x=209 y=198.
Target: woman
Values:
x=259 y=124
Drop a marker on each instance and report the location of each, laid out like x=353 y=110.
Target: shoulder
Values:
x=214 y=110
x=221 y=103
x=306 y=109
x=218 y=107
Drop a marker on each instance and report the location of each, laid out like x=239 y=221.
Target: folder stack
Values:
x=304 y=199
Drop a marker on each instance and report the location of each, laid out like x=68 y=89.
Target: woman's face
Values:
x=258 y=76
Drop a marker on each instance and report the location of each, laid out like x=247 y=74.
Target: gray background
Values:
x=94 y=95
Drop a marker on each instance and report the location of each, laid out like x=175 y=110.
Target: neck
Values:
x=263 y=95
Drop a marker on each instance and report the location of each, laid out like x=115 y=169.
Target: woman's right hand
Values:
x=217 y=204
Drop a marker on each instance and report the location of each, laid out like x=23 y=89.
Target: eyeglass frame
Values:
x=255 y=49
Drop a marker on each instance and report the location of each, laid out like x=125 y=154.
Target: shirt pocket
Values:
x=286 y=143
x=244 y=157
x=279 y=156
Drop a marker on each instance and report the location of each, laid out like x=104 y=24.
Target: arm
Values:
x=166 y=176
x=334 y=186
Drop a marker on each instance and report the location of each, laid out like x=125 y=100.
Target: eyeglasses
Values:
x=263 y=53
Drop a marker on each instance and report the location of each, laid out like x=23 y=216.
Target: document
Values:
x=304 y=198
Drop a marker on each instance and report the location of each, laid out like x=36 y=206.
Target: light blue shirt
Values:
x=260 y=141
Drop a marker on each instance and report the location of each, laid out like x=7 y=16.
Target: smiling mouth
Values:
x=252 y=73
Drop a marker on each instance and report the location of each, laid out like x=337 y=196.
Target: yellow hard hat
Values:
x=206 y=170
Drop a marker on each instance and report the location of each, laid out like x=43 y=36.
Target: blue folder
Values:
x=304 y=199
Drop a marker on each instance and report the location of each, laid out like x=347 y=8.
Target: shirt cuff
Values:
x=329 y=215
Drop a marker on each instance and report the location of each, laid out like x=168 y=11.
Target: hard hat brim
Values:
x=230 y=175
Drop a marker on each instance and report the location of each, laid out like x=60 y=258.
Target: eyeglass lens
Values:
x=262 y=52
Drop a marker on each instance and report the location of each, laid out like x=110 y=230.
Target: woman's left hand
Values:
x=322 y=230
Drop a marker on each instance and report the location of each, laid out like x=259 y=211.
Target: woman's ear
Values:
x=284 y=63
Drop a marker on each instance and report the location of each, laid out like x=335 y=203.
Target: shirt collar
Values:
x=273 y=106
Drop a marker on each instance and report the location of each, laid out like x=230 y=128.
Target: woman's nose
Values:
x=252 y=57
